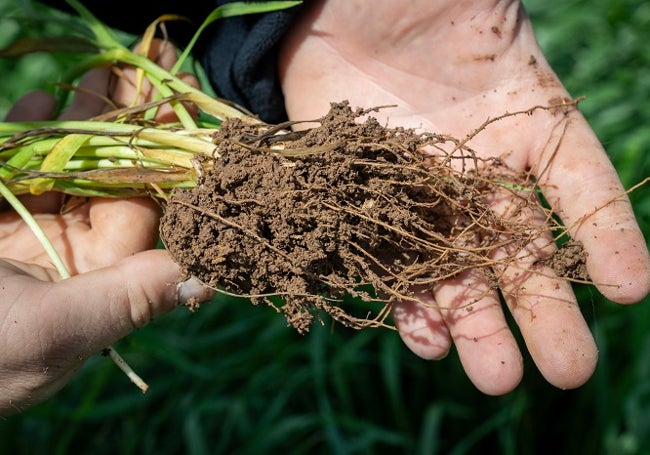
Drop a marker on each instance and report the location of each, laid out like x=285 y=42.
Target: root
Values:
x=348 y=209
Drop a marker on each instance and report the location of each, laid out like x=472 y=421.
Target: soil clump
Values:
x=298 y=220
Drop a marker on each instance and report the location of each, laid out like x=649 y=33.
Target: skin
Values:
x=448 y=66
x=49 y=326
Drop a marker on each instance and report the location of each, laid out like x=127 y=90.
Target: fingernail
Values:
x=442 y=356
x=192 y=292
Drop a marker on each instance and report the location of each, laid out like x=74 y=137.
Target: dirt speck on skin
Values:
x=350 y=207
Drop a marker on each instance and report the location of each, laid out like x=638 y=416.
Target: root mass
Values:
x=349 y=207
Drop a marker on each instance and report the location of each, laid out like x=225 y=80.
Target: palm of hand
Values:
x=446 y=67
x=87 y=236
x=449 y=66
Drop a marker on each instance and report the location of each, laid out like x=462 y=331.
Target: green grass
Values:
x=232 y=378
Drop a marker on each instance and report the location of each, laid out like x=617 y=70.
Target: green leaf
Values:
x=229 y=10
x=51 y=44
x=31 y=222
x=56 y=160
x=103 y=34
x=18 y=161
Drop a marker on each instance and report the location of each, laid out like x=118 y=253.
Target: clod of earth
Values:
x=349 y=207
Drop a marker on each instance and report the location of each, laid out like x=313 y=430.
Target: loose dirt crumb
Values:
x=570 y=261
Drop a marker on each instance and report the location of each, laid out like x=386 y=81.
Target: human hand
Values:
x=449 y=66
x=49 y=326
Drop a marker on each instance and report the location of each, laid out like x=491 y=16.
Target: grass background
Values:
x=232 y=378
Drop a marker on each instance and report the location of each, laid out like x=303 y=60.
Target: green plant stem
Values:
x=164 y=81
x=111 y=159
x=31 y=222
x=196 y=141
x=229 y=10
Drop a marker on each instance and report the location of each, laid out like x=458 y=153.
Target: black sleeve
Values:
x=239 y=54
x=240 y=58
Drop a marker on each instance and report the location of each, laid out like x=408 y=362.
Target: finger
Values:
x=92 y=310
x=422 y=327
x=91 y=97
x=49 y=202
x=66 y=322
x=17 y=241
x=542 y=304
x=91 y=235
x=127 y=92
x=160 y=51
x=547 y=313
x=115 y=229
x=166 y=112
x=130 y=225
x=131 y=90
x=34 y=106
x=582 y=186
x=485 y=344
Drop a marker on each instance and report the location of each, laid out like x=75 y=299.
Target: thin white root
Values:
x=121 y=363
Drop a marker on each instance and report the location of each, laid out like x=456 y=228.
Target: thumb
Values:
x=107 y=304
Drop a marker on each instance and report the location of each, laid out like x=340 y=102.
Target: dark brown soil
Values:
x=300 y=220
